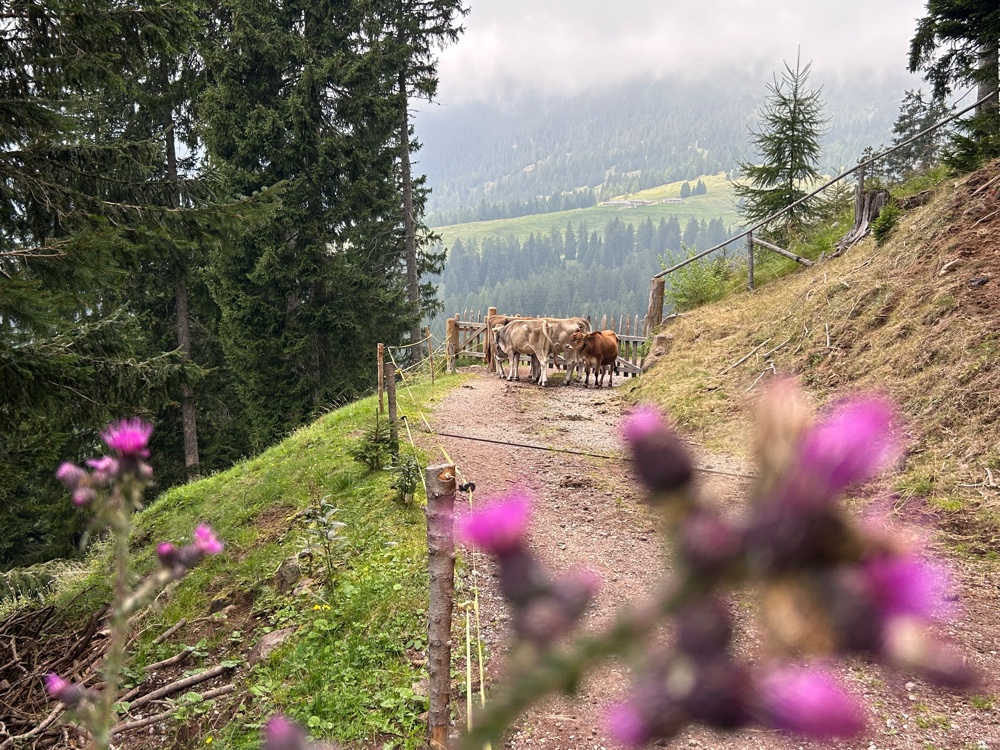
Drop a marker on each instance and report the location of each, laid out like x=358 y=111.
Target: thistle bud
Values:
x=282 y=734
x=68 y=693
x=704 y=628
x=661 y=458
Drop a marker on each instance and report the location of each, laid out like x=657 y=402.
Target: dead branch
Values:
x=175 y=659
x=46 y=722
x=155 y=718
x=170 y=631
x=768 y=354
x=744 y=358
x=173 y=687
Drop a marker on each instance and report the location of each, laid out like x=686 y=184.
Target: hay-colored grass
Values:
x=916 y=319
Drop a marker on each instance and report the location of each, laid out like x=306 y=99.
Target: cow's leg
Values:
x=512 y=367
x=611 y=375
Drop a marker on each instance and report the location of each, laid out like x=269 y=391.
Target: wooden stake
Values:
x=430 y=351
x=451 y=333
x=750 y=286
x=441 y=569
x=381 y=377
x=390 y=392
x=654 y=312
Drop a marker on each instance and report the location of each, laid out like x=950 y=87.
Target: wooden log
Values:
x=750 y=284
x=781 y=251
x=654 y=311
x=441 y=568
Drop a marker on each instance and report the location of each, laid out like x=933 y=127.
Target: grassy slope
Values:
x=717 y=202
x=878 y=318
x=346 y=667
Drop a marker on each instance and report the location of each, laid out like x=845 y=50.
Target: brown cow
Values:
x=599 y=351
x=560 y=329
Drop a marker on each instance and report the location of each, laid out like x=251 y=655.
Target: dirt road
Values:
x=588 y=514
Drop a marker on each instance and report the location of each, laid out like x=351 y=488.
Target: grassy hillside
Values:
x=351 y=663
x=717 y=202
x=917 y=318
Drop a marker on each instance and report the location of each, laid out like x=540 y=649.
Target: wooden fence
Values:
x=474 y=338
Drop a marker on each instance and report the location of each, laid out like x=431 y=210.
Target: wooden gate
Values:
x=474 y=338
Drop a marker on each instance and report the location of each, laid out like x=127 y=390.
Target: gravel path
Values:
x=588 y=514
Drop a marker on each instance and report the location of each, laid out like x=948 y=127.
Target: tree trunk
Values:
x=867 y=206
x=409 y=225
x=989 y=71
x=440 y=481
x=192 y=461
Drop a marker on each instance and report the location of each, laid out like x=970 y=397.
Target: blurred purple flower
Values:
x=642 y=423
x=105 y=469
x=851 y=445
x=70 y=475
x=704 y=627
x=661 y=459
x=811 y=702
x=83 y=496
x=129 y=437
x=68 y=693
x=907 y=585
x=205 y=540
x=496 y=527
x=649 y=713
x=282 y=734
x=626 y=725
x=708 y=543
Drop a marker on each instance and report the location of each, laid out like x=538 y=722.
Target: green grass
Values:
x=344 y=673
x=717 y=202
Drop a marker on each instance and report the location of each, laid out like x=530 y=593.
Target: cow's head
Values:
x=576 y=340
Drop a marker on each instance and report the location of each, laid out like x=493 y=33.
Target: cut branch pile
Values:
x=34 y=643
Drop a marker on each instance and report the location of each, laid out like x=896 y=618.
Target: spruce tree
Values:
x=788 y=142
x=956 y=44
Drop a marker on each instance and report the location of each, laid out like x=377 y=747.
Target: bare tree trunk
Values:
x=409 y=224
x=440 y=481
x=192 y=460
x=989 y=70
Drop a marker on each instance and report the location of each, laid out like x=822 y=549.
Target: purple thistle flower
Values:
x=168 y=555
x=626 y=725
x=906 y=585
x=642 y=423
x=282 y=734
x=205 y=541
x=661 y=459
x=649 y=713
x=811 y=702
x=851 y=445
x=64 y=691
x=70 y=475
x=105 y=469
x=83 y=496
x=128 y=437
x=496 y=527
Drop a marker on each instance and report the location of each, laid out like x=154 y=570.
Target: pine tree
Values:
x=788 y=141
x=968 y=32
x=915 y=116
x=685 y=190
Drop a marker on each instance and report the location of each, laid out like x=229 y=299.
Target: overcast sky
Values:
x=512 y=46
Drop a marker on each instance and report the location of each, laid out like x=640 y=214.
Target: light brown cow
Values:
x=599 y=351
x=560 y=329
x=531 y=337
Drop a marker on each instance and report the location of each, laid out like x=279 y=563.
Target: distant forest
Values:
x=579 y=271
x=481 y=157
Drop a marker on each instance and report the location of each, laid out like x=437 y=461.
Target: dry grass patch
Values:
x=918 y=319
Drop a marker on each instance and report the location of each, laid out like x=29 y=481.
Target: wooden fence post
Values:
x=430 y=351
x=488 y=347
x=390 y=392
x=381 y=377
x=451 y=333
x=441 y=569
x=654 y=312
x=750 y=261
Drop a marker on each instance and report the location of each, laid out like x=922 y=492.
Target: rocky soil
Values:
x=588 y=513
